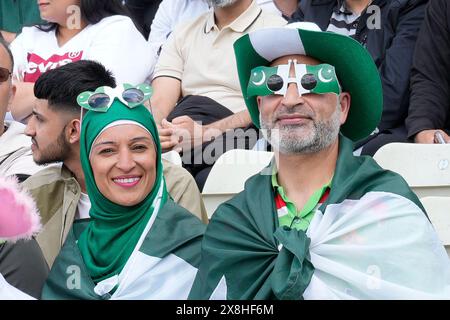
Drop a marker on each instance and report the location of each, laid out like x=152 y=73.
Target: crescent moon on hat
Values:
x=321 y=77
x=258 y=83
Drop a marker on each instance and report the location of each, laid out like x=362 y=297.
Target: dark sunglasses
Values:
x=4 y=74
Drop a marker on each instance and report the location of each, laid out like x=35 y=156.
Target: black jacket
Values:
x=23 y=266
x=430 y=76
x=391 y=46
x=143 y=12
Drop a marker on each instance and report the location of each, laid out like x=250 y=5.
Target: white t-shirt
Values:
x=114 y=41
x=170 y=13
x=83 y=207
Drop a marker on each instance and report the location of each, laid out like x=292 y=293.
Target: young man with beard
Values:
x=322 y=223
x=197 y=65
x=54 y=128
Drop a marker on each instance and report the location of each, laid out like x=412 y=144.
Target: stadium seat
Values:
x=425 y=167
x=438 y=209
x=172 y=156
x=229 y=173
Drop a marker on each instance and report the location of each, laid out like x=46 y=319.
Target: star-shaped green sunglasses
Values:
x=102 y=98
x=319 y=79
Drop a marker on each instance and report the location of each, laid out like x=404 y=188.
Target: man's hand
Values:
x=427 y=136
x=183 y=133
x=191 y=132
x=167 y=137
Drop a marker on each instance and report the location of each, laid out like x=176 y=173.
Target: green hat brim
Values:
x=355 y=69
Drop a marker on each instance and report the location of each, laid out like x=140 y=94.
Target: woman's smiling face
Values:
x=123 y=161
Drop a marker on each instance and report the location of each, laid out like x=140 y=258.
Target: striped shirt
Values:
x=288 y=215
x=343 y=20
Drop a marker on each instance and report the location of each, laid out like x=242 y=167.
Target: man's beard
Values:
x=303 y=139
x=56 y=152
x=221 y=3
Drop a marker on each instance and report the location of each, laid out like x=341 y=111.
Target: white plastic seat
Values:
x=229 y=173
x=172 y=156
x=438 y=209
x=425 y=167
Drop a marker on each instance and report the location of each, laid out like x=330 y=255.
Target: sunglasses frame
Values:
x=261 y=88
x=113 y=93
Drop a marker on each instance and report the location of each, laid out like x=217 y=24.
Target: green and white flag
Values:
x=370 y=239
x=162 y=266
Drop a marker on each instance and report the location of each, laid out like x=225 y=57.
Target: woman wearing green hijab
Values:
x=137 y=244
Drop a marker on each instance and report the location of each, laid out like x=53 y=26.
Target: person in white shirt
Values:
x=97 y=30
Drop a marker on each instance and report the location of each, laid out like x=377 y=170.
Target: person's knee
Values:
x=372 y=146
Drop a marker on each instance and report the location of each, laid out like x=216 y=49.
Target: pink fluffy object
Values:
x=19 y=217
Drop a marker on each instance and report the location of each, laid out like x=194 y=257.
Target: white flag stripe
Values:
x=300 y=69
x=282 y=211
x=289 y=43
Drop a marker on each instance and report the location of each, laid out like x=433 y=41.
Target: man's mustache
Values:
x=302 y=112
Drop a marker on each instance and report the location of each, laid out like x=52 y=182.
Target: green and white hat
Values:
x=355 y=69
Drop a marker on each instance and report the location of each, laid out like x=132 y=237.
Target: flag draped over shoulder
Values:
x=162 y=266
x=242 y=246
x=370 y=239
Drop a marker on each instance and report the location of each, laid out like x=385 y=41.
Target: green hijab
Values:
x=114 y=230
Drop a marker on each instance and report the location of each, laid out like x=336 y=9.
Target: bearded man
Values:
x=197 y=65
x=322 y=224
